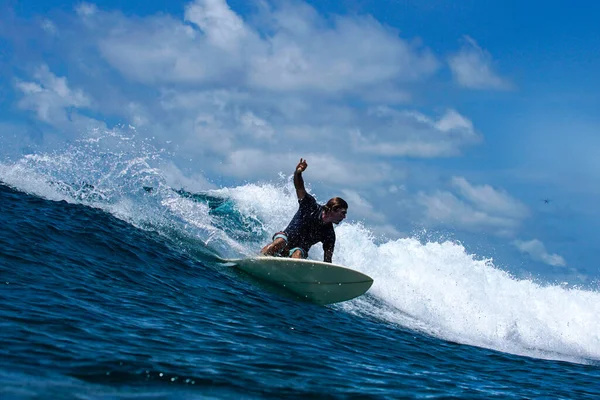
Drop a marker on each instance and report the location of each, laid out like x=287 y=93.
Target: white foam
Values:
x=21 y=177
x=456 y=296
x=440 y=289
x=271 y=204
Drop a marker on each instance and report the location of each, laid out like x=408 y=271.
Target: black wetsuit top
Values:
x=307 y=227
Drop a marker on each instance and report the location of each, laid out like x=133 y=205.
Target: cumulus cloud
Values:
x=488 y=199
x=473 y=207
x=329 y=169
x=361 y=208
x=390 y=132
x=537 y=251
x=472 y=68
x=50 y=96
x=223 y=27
x=246 y=94
x=296 y=50
x=356 y=52
x=256 y=126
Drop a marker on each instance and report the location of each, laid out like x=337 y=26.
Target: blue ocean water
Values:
x=110 y=289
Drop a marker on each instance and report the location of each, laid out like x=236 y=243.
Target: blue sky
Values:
x=458 y=118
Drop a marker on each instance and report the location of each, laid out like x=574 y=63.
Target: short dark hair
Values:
x=335 y=204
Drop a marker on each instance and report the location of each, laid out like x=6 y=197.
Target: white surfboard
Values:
x=316 y=281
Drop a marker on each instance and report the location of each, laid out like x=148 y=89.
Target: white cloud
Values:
x=218 y=122
x=330 y=170
x=163 y=51
x=198 y=82
x=389 y=132
x=488 y=199
x=256 y=126
x=213 y=84
x=244 y=163
x=453 y=121
x=50 y=96
x=347 y=172
x=222 y=27
x=361 y=208
x=355 y=53
x=298 y=51
x=472 y=68
x=225 y=121
x=537 y=251
x=475 y=208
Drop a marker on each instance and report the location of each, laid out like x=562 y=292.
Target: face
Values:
x=338 y=215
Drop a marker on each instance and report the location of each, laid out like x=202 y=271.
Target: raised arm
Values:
x=298 y=181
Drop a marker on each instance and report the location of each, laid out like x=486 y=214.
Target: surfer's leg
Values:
x=275 y=248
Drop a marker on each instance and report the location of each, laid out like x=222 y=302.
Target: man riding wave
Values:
x=311 y=224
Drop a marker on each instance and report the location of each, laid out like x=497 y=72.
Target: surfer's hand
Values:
x=302 y=165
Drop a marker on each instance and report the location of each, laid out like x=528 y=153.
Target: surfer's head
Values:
x=335 y=210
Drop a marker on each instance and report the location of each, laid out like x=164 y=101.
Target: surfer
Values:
x=311 y=224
